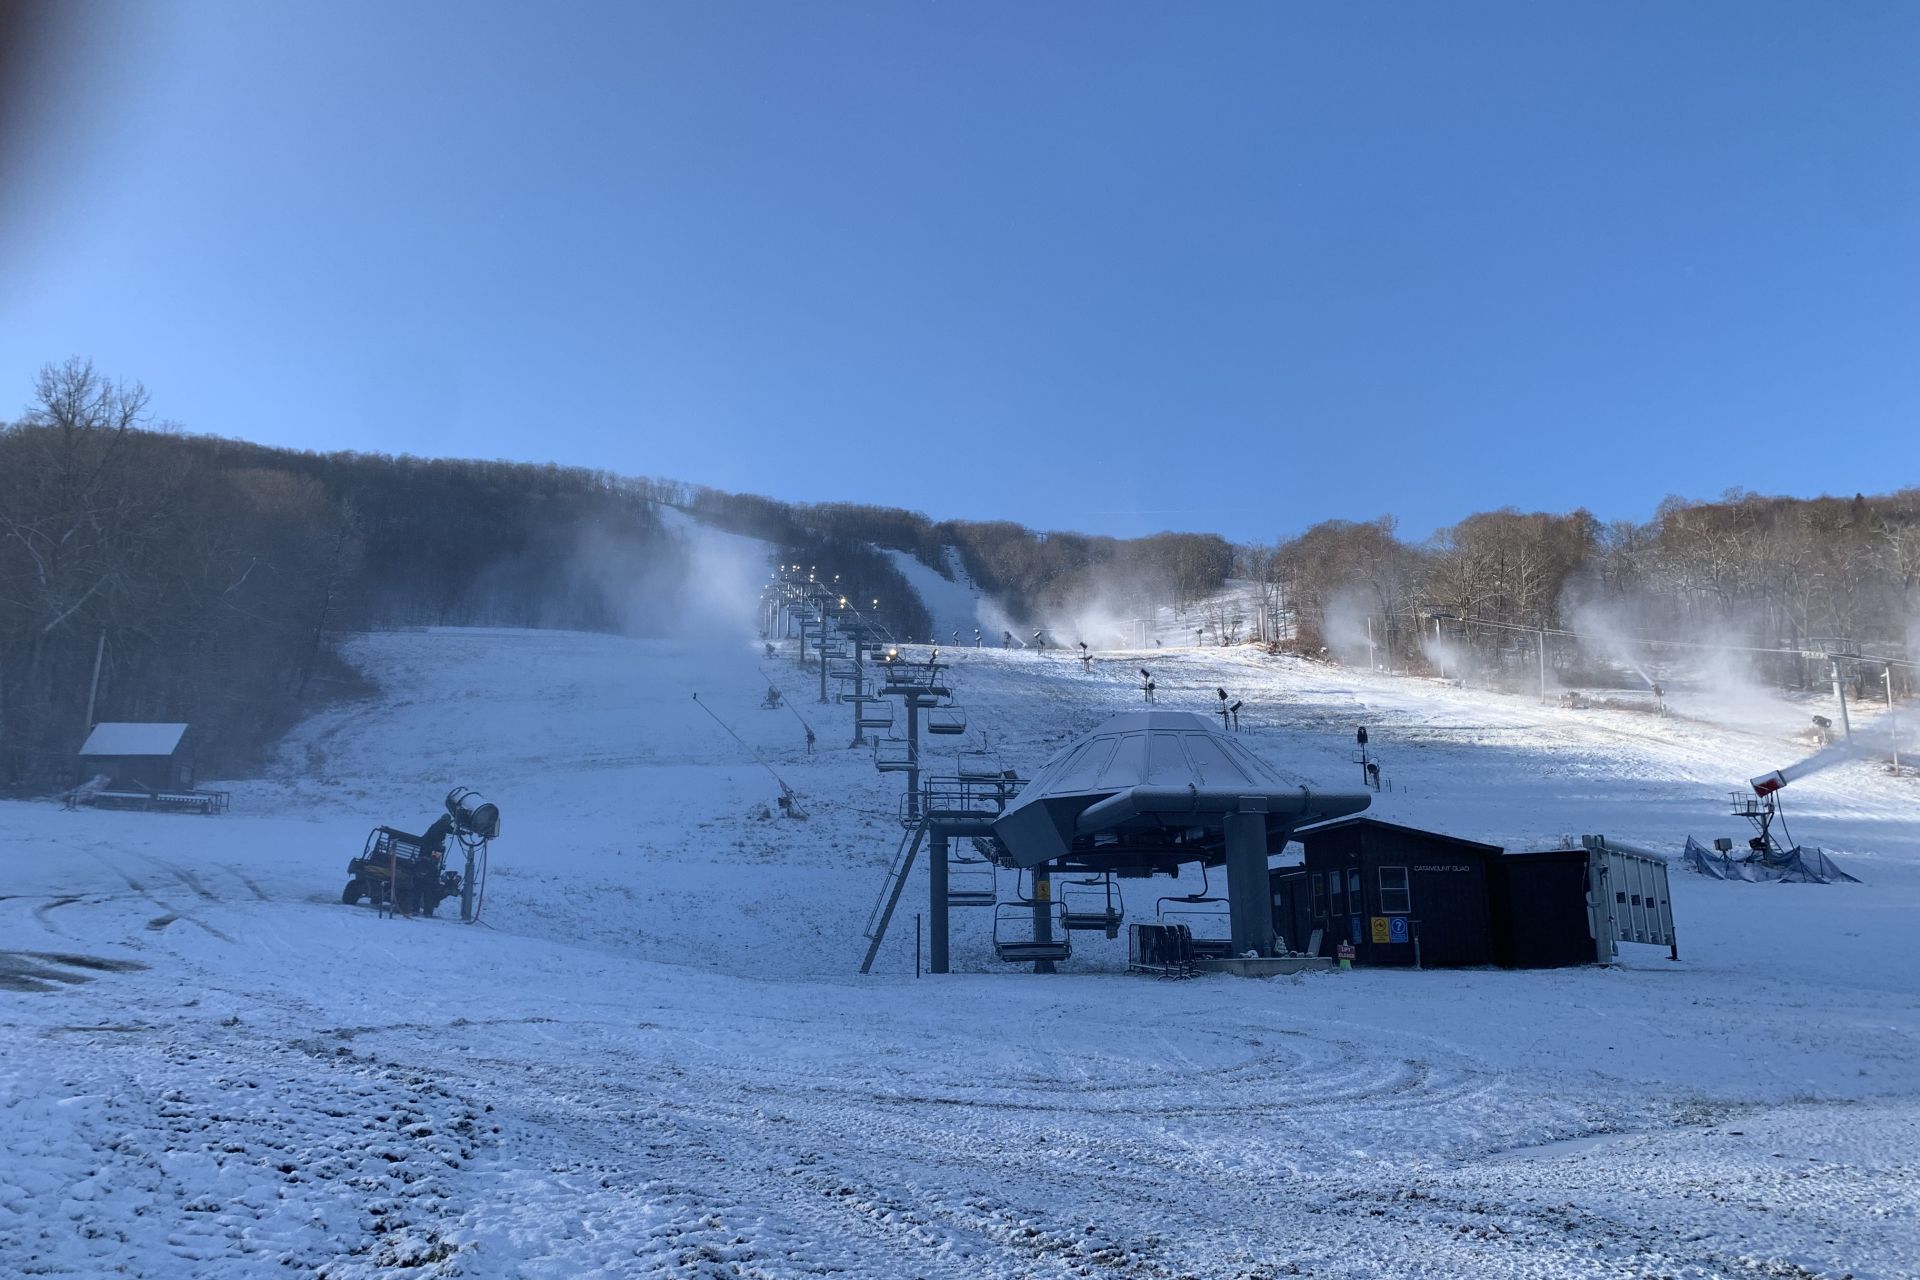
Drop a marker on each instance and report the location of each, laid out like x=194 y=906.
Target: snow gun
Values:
x=407 y=874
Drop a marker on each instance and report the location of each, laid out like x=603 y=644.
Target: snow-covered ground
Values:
x=653 y=1057
x=951 y=599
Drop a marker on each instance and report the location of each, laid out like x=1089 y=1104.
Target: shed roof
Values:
x=128 y=738
x=1362 y=822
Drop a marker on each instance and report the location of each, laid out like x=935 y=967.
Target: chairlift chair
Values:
x=1012 y=920
x=1192 y=908
x=971 y=882
x=1105 y=916
x=946 y=720
x=892 y=755
x=978 y=766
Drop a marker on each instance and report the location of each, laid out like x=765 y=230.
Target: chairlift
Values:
x=1191 y=909
x=1011 y=920
x=946 y=720
x=892 y=755
x=972 y=882
x=978 y=766
x=874 y=713
x=1087 y=915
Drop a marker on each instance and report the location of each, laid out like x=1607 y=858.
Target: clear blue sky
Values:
x=1104 y=266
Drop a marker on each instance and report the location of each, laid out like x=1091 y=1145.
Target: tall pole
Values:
x=1371 y=664
x=1543 y=665
x=859 y=689
x=1043 y=913
x=937 y=901
x=93 y=690
x=823 y=655
x=913 y=754
x=1846 y=724
x=1893 y=727
x=1249 y=893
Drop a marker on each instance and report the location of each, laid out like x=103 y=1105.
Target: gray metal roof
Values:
x=1154 y=748
x=1153 y=771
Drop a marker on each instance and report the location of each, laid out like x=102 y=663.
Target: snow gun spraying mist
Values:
x=1767 y=858
x=1825 y=758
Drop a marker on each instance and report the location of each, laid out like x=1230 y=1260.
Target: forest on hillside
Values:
x=146 y=573
x=1795 y=575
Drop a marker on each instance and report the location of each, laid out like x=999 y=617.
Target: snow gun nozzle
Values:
x=1768 y=783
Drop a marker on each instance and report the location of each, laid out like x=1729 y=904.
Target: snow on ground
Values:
x=653 y=1057
x=951 y=599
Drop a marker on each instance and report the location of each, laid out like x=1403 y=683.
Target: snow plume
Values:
x=1696 y=678
x=995 y=623
x=1344 y=624
x=1104 y=613
x=1825 y=758
x=1606 y=635
x=696 y=581
x=1447 y=656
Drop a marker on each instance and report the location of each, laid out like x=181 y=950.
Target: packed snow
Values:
x=653 y=1056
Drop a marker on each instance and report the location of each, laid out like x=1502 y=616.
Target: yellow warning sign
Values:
x=1382 y=931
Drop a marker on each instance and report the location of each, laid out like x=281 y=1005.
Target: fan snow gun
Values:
x=407 y=873
x=1768 y=783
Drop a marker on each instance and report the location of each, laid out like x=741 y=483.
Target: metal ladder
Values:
x=896 y=882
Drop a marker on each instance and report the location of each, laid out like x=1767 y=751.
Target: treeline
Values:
x=1032 y=575
x=1764 y=572
x=204 y=579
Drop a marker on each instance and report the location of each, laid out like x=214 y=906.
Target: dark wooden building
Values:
x=1539 y=903
x=1399 y=895
x=155 y=757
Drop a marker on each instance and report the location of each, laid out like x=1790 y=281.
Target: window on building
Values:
x=1353 y=892
x=1395 y=898
x=1319 y=896
x=1334 y=887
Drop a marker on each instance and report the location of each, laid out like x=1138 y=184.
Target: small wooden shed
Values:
x=1399 y=895
x=157 y=757
x=1540 y=910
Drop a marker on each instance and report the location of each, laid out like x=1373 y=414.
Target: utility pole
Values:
x=93 y=690
x=1893 y=727
x=1543 y=664
x=1840 y=692
x=823 y=654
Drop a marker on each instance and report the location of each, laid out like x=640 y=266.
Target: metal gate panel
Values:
x=1629 y=899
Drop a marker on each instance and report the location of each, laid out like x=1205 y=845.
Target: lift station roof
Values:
x=1148 y=790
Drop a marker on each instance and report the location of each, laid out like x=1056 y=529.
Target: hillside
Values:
x=654 y=1058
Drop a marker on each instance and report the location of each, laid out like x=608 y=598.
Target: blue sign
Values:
x=1354 y=924
x=1397 y=928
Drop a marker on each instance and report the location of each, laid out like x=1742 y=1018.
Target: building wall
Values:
x=1539 y=901
x=1445 y=903
x=158 y=773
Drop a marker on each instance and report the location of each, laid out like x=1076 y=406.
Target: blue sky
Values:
x=1112 y=267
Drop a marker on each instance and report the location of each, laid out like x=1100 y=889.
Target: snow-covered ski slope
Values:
x=653 y=1057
